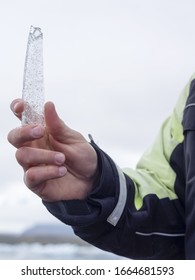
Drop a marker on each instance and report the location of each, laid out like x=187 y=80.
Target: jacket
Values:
x=149 y=212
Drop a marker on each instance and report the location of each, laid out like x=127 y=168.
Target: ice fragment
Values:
x=33 y=82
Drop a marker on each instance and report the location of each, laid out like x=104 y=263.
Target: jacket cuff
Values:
x=106 y=202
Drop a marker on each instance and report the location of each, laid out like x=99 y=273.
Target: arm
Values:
x=109 y=220
x=93 y=195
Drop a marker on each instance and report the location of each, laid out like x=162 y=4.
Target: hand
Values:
x=58 y=163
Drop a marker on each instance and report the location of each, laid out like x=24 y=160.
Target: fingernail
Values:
x=37 y=131
x=59 y=158
x=62 y=170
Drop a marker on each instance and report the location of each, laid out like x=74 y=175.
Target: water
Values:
x=36 y=251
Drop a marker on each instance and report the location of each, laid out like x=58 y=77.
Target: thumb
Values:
x=55 y=126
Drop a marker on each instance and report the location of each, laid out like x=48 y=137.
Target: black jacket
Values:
x=147 y=213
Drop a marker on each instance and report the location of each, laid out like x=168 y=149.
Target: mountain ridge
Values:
x=44 y=234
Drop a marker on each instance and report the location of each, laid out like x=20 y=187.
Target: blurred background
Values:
x=113 y=68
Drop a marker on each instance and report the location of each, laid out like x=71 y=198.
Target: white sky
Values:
x=114 y=68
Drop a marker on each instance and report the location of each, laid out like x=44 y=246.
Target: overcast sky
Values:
x=114 y=68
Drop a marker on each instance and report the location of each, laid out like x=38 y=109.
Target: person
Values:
x=146 y=213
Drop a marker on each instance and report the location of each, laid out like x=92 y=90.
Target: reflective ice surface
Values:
x=33 y=84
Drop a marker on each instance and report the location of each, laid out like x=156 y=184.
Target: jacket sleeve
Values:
x=189 y=145
x=108 y=218
x=147 y=213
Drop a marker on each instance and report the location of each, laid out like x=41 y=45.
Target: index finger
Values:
x=20 y=136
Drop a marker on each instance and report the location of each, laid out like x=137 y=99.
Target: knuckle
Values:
x=19 y=155
x=18 y=136
x=22 y=156
x=29 y=178
x=10 y=137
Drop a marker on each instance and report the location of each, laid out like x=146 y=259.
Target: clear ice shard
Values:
x=33 y=82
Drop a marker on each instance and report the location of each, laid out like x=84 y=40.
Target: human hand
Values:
x=58 y=162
